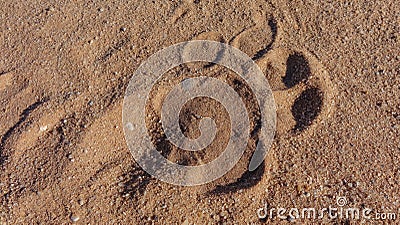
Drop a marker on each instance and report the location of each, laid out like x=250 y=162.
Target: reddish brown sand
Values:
x=334 y=67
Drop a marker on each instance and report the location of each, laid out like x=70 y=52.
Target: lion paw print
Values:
x=301 y=85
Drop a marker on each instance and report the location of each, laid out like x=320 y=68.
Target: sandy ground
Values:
x=334 y=68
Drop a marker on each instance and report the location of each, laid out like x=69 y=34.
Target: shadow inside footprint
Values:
x=297 y=70
x=274 y=29
x=306 y=108
x=247 y=180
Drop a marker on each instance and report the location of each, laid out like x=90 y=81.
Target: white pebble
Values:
x=43 y=128
x=130 y=126
x=74 y=218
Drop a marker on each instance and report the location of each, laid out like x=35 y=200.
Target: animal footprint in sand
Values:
x=258 y=39
x=301 y=87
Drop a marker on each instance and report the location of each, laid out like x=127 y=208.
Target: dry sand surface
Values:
x=333 y=66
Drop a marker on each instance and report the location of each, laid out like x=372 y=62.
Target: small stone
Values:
x=122 y=29
x=126 y=195
x=74 y=218
x=43 y=128
x=50 y=9
x=71 y=158
x=129 y=126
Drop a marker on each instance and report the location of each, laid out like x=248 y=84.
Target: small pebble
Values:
x=71 y=158
x=74 y=218
x=126 y=195
x=80 y=202
x=129 y=126
x=50 y=9
x=43 y=128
